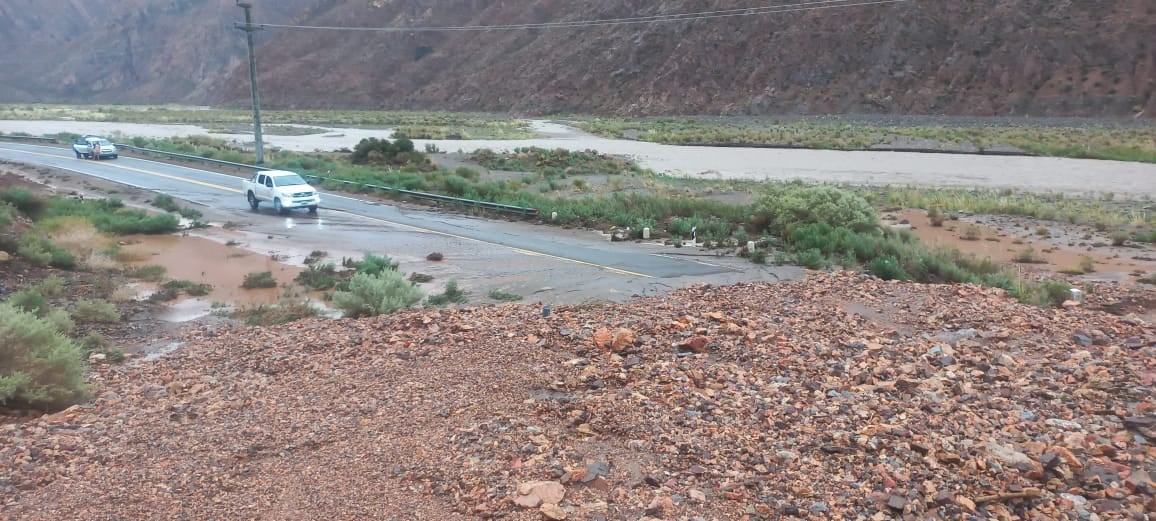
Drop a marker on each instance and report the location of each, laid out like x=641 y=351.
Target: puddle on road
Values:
x=1004 y=247
x=205 y=261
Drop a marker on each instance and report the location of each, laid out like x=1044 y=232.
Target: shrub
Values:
x=52 y=286
x=759 y=256
x=376 y=294
x=935 y=215
x=259 y=279
x=503 y=296
x=59 y=320
x=39 y=366
x=1119 y=238
x=1087 y=264
x=25 y=201
x=284 y=311
x=166 y=202
x=786 y=207
x=96 y=311
x=316 y=256
x=1028 y=256
x=812 y=258
x=318 y=278
x=42 y=252
x=887 y=268
x=172 y=289
x=420 y=278
x=374 y=264
x=152 y=273
x=452 y=295
x=971 y=233
x=29 y=301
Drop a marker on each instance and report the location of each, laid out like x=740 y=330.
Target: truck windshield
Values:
x=289 y=180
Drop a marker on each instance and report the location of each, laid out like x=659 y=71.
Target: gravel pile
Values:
x=841 y=397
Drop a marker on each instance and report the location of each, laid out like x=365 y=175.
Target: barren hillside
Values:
x=986 y=57
x=982 y=57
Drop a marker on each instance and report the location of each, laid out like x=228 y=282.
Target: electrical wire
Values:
x=683 y=17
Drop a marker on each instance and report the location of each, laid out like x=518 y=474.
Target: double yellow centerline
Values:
x=392 y=223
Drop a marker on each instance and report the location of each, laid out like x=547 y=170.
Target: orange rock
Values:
x=623 y=338
x=602 y=338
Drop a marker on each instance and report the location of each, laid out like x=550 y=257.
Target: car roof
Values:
x=277 y=173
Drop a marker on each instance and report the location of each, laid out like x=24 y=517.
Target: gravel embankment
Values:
x=841 y=397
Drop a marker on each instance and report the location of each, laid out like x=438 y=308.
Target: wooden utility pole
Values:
x=249 y=29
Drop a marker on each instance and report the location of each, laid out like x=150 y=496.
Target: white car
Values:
x=85 y=146
x=285 y=190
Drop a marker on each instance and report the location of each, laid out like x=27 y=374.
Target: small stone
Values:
x=1064 y=424
x=660 y=505
x=623 y=338
x=896 y=502
x=535 y=493
x=697 y=495
x=786 y=456
x=5 y=256
x=553 y=512
x=696 y=344
x=1028 y=416
x=818 y=507
x=1004 y=359
x=631 y=361
x=1082 y=339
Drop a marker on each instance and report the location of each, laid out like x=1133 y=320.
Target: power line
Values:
x=684 y=17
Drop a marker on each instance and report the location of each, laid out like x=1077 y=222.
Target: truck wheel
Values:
x=114 y=156
x=277 y=206
x=253 y=202
x=313 y=209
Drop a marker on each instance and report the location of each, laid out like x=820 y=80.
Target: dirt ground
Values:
x=1005 y=238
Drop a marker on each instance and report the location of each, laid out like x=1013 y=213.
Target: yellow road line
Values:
x=400 y=225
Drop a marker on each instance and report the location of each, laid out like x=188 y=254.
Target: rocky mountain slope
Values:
x=987 y=57
x=121 y=51
x=842 y=397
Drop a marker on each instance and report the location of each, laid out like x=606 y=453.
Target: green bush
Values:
x=96 y=311
x=42 y=252
x=29 y=301
x=786 y=207
x=166 y=202
x=59 y=320
x=373 y=264
x=259 y=279
x=887 y=268
x=52 y=286
x=110 y=216
x=452 y=295
x=318 y=278
x=7 y=215
x=377 y=294
x=25 y=201
x=39 y=367
x=504 y=296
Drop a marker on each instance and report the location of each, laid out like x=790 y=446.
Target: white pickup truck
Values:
x=286 y=190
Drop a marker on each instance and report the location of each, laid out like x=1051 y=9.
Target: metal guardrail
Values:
x=505 y=208
x=28 y=138
x=188 y=157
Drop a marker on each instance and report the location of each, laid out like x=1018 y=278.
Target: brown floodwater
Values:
x=999 y=245
x=205 y=261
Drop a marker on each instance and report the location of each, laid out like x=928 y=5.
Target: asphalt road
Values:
x=558 y=256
